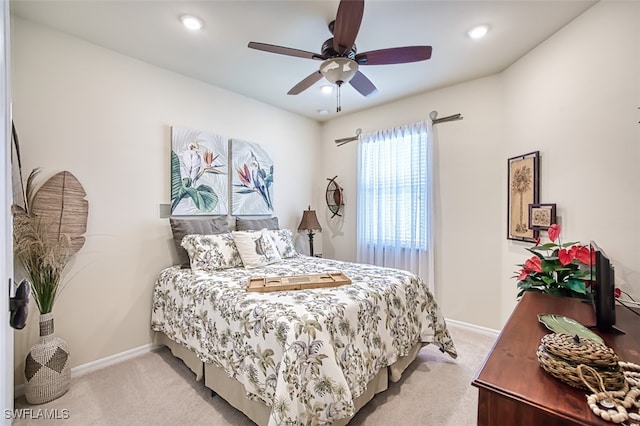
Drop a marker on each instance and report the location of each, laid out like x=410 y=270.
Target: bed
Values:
x=311 y=356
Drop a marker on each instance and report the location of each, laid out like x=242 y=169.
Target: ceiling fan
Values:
x=339 y=54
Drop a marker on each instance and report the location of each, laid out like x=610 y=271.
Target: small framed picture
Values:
x=522 y=190
x=541 y=216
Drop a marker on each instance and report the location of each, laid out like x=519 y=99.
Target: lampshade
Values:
x=339 y=70
x=309 y=221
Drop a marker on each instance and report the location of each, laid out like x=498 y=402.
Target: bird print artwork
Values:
x=199 y=178
x=253 y=179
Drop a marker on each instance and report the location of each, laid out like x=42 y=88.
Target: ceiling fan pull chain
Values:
x=338 y=107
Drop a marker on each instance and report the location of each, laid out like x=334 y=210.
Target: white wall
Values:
x=106 y=118
x=574 y=98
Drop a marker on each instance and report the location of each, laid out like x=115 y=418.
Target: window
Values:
x=393 y=188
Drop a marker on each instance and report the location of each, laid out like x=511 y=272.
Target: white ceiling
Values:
x=218 y=54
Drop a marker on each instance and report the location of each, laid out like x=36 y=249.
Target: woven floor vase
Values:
x=47 y=367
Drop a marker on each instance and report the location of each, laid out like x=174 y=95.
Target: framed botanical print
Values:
x=523 y=189
x=199 y=177
x=541 y=216
x=252 y=179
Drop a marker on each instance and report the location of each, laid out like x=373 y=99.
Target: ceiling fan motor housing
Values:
x=329 y=52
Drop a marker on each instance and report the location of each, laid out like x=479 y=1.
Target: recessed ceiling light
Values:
x=478 y=31
x=192 y=22
x=323 y=111
x=327 y=88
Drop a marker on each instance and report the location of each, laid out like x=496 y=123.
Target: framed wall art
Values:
x=523 y=189
x=252 y=181
x=541 y=216
x=199 y=173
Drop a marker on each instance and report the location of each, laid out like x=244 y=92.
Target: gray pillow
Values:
x=256 y=224
x=195 y=226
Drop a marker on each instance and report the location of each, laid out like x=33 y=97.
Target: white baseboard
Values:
x=473 y=327
x=98 y=364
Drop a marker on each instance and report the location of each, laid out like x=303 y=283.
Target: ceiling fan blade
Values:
x=394 y=55
x=347 y=24
x=285 y=50
x=362 y=84
x=305 y=84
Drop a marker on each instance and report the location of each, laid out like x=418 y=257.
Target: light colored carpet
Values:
x=158 y=389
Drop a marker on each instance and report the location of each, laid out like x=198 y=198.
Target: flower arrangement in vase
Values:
x=562 y=269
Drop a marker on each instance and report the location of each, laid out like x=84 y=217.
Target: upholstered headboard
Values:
x=256 y=224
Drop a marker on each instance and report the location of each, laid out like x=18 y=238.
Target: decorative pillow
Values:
x=195 y=226
x=256 y=248
x=212 y=252
x=256 y=224
x=284 y=242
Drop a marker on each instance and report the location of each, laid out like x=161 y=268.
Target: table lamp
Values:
x=309 y=223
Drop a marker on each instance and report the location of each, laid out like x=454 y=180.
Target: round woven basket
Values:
x=560 y=354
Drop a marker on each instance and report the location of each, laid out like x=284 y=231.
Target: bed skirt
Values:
x=232 y=391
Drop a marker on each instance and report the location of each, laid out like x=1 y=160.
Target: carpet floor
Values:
x=158 y=389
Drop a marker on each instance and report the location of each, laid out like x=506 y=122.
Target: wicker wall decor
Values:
x=60 y=203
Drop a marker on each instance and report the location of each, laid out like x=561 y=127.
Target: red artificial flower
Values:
x=534 y=264
x=524 y=273
x=583 y=254
x=554 y=232
x=566 y=256
x=617 y=293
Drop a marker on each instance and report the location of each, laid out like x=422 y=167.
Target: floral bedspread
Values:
x=307 y=353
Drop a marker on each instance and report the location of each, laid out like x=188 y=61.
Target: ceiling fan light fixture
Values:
x=192 y=23
x=339 y=70
x=326 y=89
x=478 y=31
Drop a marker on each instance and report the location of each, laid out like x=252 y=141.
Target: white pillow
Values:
x=211 y=252
x=284 y=242
x=256 y=248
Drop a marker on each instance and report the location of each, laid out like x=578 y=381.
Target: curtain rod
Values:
x=434 y=114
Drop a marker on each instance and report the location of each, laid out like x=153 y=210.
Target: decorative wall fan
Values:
x=334 y=197
x=339 y=54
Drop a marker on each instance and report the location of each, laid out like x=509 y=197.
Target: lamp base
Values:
x=311 y=234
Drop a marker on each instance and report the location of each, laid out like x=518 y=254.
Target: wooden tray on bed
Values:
x=297 y=282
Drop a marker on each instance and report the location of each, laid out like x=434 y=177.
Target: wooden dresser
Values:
x=515 y=390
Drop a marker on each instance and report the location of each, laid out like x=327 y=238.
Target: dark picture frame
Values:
x=541 y=216
x=523 y=188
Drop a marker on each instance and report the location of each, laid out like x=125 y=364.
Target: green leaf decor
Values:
x=566 y=325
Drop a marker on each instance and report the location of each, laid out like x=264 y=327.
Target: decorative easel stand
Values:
x=297 y=282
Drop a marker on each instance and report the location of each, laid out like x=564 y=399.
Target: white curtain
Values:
x=395 y=199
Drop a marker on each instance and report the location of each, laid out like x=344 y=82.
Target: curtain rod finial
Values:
x=433 y=115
